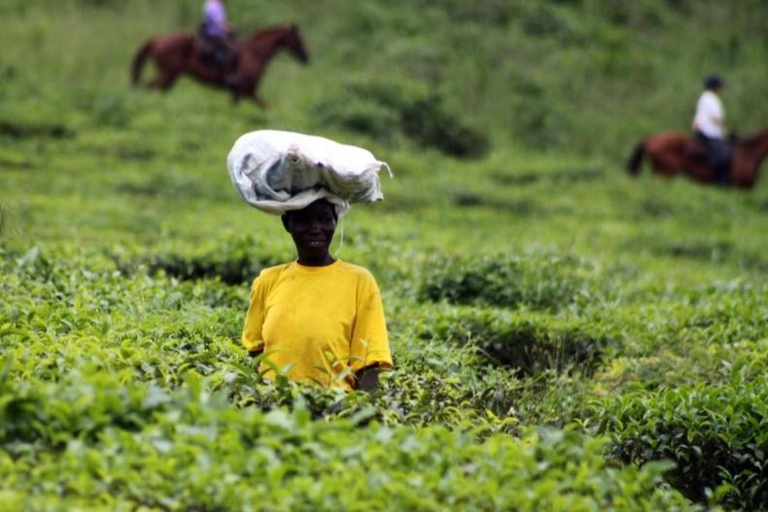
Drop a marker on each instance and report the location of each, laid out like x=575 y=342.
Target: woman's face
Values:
x=312 y=230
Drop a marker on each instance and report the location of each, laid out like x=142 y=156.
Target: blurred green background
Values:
x=528 y=280
x=542 y=102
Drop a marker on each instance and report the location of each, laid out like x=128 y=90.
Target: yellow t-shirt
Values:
x=317 y=322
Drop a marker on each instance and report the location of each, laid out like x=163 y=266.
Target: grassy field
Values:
x=566 y=337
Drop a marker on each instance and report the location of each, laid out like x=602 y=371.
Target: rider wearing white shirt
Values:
x=709 y=115
x=709 y=126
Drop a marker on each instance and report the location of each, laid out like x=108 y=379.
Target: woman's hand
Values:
x=367 y=379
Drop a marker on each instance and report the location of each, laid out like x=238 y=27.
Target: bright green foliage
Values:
x=386 y=111
x=528 y=342
x=234 y=262
x=717 y=436
x=540 y=283
x=107 y=405
x=190 y=450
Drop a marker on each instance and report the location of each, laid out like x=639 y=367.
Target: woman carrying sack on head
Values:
x=318 y=319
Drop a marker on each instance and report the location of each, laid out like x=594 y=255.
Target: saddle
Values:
x=697 y=151
x=205 y=51
x=715 y=154
x=216 y=52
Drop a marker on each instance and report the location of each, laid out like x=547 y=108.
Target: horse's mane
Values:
x=755 y=138
x=270 y=32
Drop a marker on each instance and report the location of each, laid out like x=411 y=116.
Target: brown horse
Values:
x=176 y=54
x=673 y=152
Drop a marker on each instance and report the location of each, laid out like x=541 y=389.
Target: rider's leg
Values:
x=233 y=55
x=226 y=54
x=716 y=157
x=220 y=51
x=721 y=152
x=222 y=57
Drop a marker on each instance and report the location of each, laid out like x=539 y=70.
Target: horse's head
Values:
x=271 y=40
x=295 y=44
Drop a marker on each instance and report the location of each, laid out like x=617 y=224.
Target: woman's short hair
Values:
x=333 y=209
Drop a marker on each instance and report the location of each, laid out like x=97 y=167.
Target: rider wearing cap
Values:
x=710 y=127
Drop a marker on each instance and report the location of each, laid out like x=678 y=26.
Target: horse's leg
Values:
x=664 y=166
x=249 y=89
x=164 y=80
x=259 y=101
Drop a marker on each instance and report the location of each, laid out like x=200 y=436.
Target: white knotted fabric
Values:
x=279 y=171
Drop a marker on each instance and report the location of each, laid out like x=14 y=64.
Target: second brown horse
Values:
x=176 y=54
x=674 y=152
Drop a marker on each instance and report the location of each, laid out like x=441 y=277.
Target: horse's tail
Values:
x=634 y=162
x=138 y=61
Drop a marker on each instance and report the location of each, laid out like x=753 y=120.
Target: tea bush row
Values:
x=60 y=318
x=716 y=435
x=544 y=282
x=89 y=347
x=191 y=450
x=528 y=342
x=384 y=111
x=711 y=365
x=234 y=261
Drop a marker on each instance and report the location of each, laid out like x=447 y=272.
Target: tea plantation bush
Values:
x=384 y=111
x=716 y=434
x=68 y=445
x=93 y=348
x=124 y=399
x=508 y=281
x=235 y=261
x=530 y=343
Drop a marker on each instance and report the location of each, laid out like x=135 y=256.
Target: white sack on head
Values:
x=278 y=171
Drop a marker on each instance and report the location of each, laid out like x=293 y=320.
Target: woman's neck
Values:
x=315 y=261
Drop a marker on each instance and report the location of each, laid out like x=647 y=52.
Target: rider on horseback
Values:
x=214 y=30
x=710 y=127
